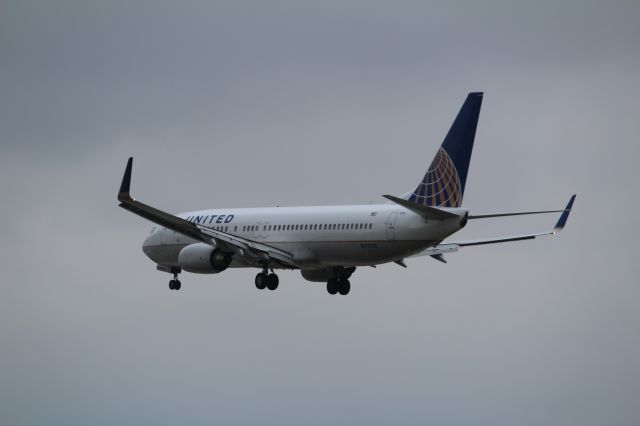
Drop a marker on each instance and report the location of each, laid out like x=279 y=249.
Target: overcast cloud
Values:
x=239 y=104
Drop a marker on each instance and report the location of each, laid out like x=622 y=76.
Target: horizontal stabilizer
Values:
x=425 y=211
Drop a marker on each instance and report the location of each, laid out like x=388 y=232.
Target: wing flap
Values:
x=506 y=239
x=441 y=249
x=253 y=247
x=565 y=212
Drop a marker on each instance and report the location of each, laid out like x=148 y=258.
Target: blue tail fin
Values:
x=443 y=184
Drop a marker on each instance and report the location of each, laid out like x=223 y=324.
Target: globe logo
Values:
x=441 y=184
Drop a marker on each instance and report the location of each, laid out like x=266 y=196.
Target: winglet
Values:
x=565 y=215
x=123 y=195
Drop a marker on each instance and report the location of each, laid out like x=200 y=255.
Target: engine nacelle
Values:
x=317 y=275
x=201 y=258
x=322 y=275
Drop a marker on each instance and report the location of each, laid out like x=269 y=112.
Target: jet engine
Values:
x=323 y=275
x=203 y=259
x=317 y=275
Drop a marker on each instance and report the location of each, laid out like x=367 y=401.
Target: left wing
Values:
x=228 y=242
x=440 y=249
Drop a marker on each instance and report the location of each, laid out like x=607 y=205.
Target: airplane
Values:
x=327 y=243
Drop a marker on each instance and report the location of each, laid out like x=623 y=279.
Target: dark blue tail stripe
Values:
x=445 y=181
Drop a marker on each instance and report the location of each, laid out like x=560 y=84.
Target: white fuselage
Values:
x=317 y=237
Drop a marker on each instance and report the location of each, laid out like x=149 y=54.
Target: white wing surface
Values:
x=228 y=242
x=449 y=247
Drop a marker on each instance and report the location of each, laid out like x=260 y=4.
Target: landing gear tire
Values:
x=272 y=281
x=176 y=285
x=343 y=287
x=261 y=280
x=332 y=286
x=172 y=284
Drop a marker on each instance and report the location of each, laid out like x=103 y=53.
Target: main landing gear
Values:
x=264 y=279
x=339 y=281
x=338 y=285
x=175 y=283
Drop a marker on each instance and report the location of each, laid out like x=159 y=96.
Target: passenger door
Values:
x=391 y=226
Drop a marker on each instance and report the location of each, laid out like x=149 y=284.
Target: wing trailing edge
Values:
x=450 y=247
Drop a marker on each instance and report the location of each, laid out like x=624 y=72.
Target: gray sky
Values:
x=290 y=103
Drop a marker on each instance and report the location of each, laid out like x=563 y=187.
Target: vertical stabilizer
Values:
x=443 y=184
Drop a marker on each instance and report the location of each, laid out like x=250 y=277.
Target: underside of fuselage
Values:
x=314 y=254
